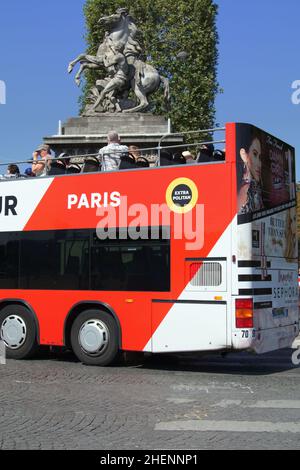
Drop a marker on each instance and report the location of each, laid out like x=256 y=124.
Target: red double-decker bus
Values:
x=199 y=257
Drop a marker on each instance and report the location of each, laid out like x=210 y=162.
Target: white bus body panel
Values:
x=276 y=314
x=197 y=321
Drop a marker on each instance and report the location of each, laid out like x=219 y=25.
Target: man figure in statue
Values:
x=120 y=50
x=117 y=62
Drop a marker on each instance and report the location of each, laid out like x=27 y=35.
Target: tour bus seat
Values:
x=142 y=163
x=178 y=159
x=58 y=167
x=127 y=162
x=73 y=168
x=203 y=158
x=166 y=158
x=91 y=165
x=219 y=155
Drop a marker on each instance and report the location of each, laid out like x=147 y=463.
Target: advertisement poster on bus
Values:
x=266 y=195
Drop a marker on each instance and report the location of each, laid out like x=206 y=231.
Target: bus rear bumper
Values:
x=268 y=340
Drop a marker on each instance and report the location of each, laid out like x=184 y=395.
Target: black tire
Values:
x=28 y=346
x=107 y=354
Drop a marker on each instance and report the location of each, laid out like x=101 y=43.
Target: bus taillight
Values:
x=244 y=313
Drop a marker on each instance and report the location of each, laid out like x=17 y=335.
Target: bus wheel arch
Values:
x=95 y=306
x=19 y=329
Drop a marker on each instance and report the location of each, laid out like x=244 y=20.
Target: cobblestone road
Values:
x=241 y=401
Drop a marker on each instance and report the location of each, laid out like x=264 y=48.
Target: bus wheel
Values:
x=18 y=332
x=94 y=338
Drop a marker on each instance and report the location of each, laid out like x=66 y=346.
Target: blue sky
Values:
x=259 y=60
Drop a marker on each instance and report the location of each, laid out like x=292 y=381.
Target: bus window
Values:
x=131 y=266
x=9 y=259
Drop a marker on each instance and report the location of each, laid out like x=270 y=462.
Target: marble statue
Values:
x=119 y=54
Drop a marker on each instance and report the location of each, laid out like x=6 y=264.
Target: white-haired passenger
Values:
x=111 y=155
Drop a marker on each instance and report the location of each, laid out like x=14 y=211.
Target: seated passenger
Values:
x=189 y=159
x=134 y=151
x=28 y=173
x=112 y=153
x=179 y=159
x=41 y=160
x=12 y=171
x=206 y=153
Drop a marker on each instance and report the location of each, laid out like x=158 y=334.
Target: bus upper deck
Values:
x=132 y=158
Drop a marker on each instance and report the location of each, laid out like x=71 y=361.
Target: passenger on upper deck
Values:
x=28 y=173
x=113 y=152
x=189 y=159
x=206 y=153
x=134 y=151
x=12 y=171
x=41 y=157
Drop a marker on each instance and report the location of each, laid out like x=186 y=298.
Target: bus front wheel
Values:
x=18 y=332
x=94 y=338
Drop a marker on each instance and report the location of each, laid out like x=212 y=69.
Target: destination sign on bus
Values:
x=94 y=200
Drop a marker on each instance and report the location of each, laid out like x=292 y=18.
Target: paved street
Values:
x=238 y=402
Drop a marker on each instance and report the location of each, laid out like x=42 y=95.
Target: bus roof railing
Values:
x=152 y=150
x=199 y=131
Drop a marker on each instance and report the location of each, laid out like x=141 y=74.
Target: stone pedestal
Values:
x=86 y=135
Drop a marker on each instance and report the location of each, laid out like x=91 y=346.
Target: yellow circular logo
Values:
x=182 y=195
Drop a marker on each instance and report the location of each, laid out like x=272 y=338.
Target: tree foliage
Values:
x=169 y=28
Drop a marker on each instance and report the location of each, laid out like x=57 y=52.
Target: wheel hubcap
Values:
x=13 y=332
x=94 y=337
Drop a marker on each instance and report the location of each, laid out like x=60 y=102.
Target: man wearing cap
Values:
x=41 y=165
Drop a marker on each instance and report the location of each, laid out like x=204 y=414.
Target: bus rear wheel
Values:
x=94 y=338
x=18 y=332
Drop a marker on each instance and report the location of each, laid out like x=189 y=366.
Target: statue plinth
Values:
x=86 y=135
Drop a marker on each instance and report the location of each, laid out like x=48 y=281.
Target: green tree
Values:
x=169 y=28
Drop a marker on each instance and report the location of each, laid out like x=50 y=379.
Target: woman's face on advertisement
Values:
x=252 y=159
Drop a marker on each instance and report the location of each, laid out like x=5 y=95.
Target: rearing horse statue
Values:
x=142 y=78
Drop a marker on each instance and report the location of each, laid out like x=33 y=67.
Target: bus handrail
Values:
x=199 y=131
x=153 y=149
